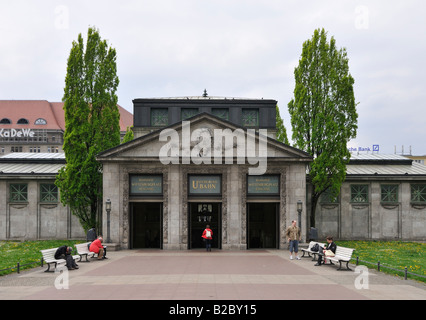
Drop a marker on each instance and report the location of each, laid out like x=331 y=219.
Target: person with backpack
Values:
x=331 y=247
x=64 y=252
x=208 y=236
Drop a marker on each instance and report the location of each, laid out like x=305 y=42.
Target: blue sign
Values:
x=375 y=148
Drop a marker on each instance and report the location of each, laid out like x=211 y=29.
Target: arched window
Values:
x=40 y=121
x=22 y=121
x=5 y=121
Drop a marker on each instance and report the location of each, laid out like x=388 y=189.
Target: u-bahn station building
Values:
x=213 y=160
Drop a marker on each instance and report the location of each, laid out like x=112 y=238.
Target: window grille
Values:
x=389 y=193
x=18 y=192
x=48 y=193
x=359 y=193
x=418 y=193
x=250 y=117
x=159 y=117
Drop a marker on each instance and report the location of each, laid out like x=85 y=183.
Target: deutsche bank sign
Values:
x=375 y=148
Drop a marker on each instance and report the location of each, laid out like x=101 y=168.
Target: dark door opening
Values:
x=200 y=215
x=146 y=225
x=262 y=225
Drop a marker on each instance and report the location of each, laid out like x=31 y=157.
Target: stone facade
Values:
x=32 y=219
x=381 y=213
x=141 y=157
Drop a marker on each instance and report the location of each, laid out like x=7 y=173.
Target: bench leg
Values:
x=347 y=266
x=303 y=254
x=48 y=267
x=81 y=257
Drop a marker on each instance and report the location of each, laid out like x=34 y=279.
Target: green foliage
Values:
x=394 y=254
x=323 y=113
x=129 y=136
x=91 y=124
x=281 y=130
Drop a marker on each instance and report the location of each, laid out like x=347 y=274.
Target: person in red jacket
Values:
x=208 y=236
x=97 y=247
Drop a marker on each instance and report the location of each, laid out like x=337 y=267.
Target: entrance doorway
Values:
x=262 y=225
x=146 y=225
x=200 y=215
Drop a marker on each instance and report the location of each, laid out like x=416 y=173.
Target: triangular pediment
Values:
x=203 y=135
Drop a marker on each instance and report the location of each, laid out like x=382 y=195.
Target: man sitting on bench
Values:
x=330 y=246
x=64 y=252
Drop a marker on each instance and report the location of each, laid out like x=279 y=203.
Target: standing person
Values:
x=294 y=236
x=330 y=246
x=208 y=236
x=64 y=252
x=97 y=247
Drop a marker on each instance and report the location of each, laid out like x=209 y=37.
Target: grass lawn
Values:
x=12 y=252
x=394 y=254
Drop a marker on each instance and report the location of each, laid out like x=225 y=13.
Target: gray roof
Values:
x=377 y=169
x=384 y=164
x=21 y=163
x=370 y=156
x=33 y=155
x=29 y=168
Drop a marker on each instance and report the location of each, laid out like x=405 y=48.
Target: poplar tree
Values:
x=281 y=130
x=323 y=113
x=91 y=124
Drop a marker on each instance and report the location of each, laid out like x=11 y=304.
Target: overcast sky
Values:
x=232 y=48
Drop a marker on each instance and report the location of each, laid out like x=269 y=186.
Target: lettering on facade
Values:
x=16 y=133
x=205 y=185
x=263 y=185
x=375 y=148
x=146 y=184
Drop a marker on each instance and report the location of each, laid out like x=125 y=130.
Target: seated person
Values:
x=97 y=247
x=64 y=252
x=330 y=246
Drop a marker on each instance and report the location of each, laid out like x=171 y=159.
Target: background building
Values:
x=37 y=126
x=382 y=198
x=31 y=138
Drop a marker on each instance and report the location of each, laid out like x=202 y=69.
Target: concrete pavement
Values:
x=200 y=275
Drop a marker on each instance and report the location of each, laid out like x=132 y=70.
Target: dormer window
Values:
x=5 y=121
x=22 y=121
x=40 y=121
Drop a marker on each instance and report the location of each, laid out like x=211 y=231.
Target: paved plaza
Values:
x=200 y=275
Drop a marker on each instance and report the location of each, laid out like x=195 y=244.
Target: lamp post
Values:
x=299 y=213
x=108 y=210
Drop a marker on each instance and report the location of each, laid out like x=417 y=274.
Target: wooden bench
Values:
x=342 y=255
x=49 y=258
x=83 y=250
x=309 y=251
